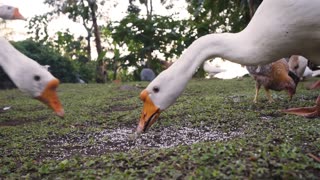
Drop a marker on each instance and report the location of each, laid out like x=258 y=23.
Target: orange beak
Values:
x=150 y=112
x=17 y=15
x=49 y=97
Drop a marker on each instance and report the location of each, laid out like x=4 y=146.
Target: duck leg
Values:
x=309 y=112
x=269 y=95
x=255 y=100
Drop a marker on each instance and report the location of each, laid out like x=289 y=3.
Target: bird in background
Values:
x=274 y=76
x=298 y=65
x=147 y=74
x=212 y=69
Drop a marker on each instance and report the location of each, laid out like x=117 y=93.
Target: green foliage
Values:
x=5 y=31
x=5 y=81
x=35 y=144
x=143 y=38
x=86 y=71
x=77 y=11
x=85 y=12
x=70 y=47
x=137 y=40
x=60 y=67
x=210 y=16
x=146 y=38
x=38 y=27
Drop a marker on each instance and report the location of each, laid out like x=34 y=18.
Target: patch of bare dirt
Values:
x=125 y=139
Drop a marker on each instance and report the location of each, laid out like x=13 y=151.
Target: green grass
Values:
x=273 y=145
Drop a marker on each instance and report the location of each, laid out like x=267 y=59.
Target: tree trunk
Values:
x=251 y=7
x=88 y=38
x=115 y=68
x=101 y=76
x=151 y=8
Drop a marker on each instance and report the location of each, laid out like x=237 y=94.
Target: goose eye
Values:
x=36 y=77
x=9 y=8
x=156 y=89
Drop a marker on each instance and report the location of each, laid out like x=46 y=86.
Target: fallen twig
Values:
x=314 y=157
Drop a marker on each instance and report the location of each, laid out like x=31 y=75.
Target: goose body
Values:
x=278 y=29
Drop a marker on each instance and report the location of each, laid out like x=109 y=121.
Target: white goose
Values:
x=298 y=65
x=10 y=13
x=278 y=29
x=27 y=74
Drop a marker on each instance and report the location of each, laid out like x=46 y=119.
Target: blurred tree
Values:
x=137 y=39
x=148 y=5
x=85 y=12
x=61 y=67
x=146 y=37
x=212 y=16
x=144 y=40
x=253 y=5
x=4 y=30
x=38 y=26
x=70 y=47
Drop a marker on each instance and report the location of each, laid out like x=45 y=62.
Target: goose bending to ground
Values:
x=297 y=32
x=10 y=13
x=27 y=74
x=30 y=77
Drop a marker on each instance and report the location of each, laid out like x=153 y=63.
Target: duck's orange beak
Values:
x=17 y=15
x=49 y=97
x=150 y=112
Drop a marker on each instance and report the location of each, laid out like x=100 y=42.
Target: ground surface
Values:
x=212 y=131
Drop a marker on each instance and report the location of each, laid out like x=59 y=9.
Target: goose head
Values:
x=40 y=84
x=10 y=13
x=161 y=93
x=30 y=77
x=164 y=90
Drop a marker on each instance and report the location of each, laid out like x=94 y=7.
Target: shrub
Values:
x=61 y=67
